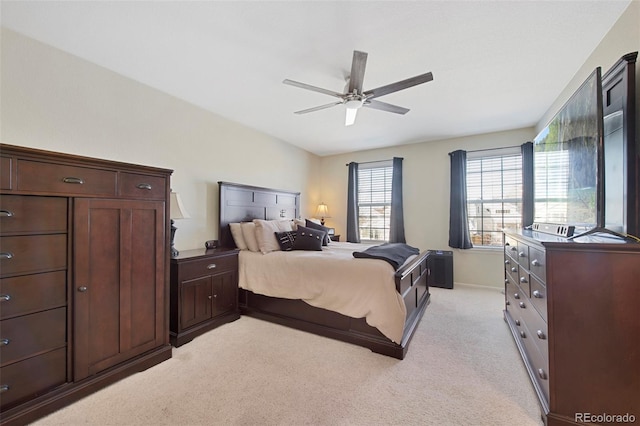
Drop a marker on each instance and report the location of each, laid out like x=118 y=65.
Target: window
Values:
x=494 y=194
x=374 y=200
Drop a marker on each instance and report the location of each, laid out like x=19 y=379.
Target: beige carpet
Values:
x=462 y=369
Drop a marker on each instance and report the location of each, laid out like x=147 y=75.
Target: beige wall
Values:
x=426 y=197
x=55 y=101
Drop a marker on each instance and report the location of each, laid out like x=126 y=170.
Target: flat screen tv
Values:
x=568 y=178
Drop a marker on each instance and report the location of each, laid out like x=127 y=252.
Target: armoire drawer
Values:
x=32 y=254
x=132 y=185
x=64 y=179
x=29 y=335
x=25 y=379
x=20 y=214
x=203 y=267
x=32 y=293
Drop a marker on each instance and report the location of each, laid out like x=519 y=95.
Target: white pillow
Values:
x=296 y=223
x=249 y=235
x=265 y=233
x=238 y=238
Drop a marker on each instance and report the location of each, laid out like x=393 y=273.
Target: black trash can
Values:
x=440 y=264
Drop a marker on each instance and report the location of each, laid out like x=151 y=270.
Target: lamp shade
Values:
x=322 y=211
x=177 y=210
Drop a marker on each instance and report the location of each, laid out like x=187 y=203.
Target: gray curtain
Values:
x=353 y=232
x=458 y=219
x=527 y=184
x=396 y=226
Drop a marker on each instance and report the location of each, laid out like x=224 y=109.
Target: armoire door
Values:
x=119 y=281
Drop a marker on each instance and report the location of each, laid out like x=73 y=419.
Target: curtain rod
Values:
x=378 y=161
x=493 y=149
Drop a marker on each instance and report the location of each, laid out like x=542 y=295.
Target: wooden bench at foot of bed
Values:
x=411 y=283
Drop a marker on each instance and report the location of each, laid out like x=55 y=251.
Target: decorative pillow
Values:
x=238 y=238
x=286 y=240
x=308 y=239
x=249 y=234
x=311 y=224
x=265 y=233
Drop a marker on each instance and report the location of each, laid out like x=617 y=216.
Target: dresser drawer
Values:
x=523 y=281
x=511 y=248
x=29 y=335
x=31 y=293
x=25 y=379
x=539 y=363
x=523 y=254
x=6 y=164
x=20 y=214
x=537 y=263
x=538 y=329
x=210 y=266
x=131 y=185
x=511 y=268
x=32 y=254
x=539 y=297
x=63 y=179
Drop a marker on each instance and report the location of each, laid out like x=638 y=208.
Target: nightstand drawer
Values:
x=210 y=266
x=31 y=254
x=20 y=214
x=31 y=293
x=28 y=335
x=63 y=179
x=131 y=185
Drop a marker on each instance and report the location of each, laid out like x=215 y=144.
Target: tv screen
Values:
x=565 y=160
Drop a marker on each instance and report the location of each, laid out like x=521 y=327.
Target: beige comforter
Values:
x=331 y=279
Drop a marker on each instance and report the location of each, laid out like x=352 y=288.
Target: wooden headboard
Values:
x=243 y=203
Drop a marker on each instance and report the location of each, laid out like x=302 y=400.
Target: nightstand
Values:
x=204 y=292
x=334 y=237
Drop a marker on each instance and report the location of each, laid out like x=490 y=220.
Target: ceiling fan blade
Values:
x=399 y=85
x=318 y=108
x=383 y=106
x=312 y=88
x=358 y=66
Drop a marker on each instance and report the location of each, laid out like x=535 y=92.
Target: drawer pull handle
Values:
x=6 y=255
x=541 y=335
x=507 y=303
x=4 y=388
x=4 y=342
x=516 y=296
x=5 y=213
x=215 y=296
x=506 y=280
x=523 y=334
x=521 y=254
x=513 y=248
x=506 y=262
x=513 y=269
x=211 y=266
x=523 y=280
x=517 y=323
x=73 y=180
x=535 y=262
x=542 y=374
x=82 y=289
x=537 y=294
x=209 y=297
x=522 y=305
x=4 y=297
x=144 y=186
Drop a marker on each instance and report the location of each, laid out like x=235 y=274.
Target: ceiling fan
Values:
x=354 y=98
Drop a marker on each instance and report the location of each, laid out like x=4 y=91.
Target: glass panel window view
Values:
x=494 y=197
x=374 y=202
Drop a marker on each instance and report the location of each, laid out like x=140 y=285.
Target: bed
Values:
x=408 y=292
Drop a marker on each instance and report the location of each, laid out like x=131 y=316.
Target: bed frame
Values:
x=241 y=203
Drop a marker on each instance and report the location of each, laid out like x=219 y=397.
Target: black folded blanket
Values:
x=394 y=253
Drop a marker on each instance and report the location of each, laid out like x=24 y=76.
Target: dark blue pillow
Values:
x=286 y=240
x=313 y=225
x=308 y=239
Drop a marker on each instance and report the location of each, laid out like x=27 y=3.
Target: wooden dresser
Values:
x=204 y=292
x=572 y=307
x=83 y=279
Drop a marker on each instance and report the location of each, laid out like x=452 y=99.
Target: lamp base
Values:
x=174 y=252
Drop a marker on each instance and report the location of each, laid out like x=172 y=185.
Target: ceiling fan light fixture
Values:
x=353 y=104
x=350 y=118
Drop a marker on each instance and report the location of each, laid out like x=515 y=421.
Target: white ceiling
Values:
x=497 y=65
